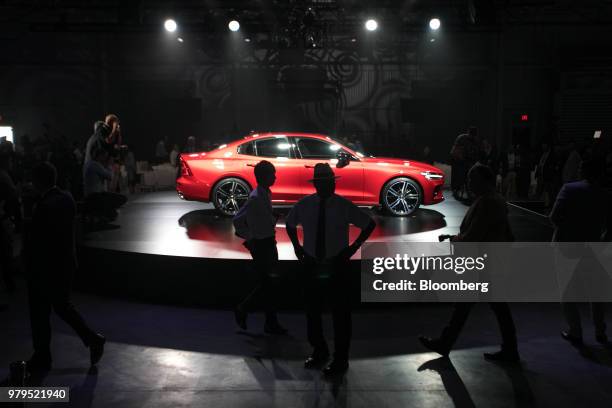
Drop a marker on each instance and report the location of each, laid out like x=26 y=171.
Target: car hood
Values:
x=394 y=161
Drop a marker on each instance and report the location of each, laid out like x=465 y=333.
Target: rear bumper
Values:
x=190 y=189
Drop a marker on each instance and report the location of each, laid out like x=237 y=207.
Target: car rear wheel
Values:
x=229 y=195
x=401 y=196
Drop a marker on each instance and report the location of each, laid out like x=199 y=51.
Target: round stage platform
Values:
x=162 y=224
x=164 y=249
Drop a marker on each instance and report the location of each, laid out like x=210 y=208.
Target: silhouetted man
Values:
x=107 y=135
x=579 y=215
x=485 y=221
x=325 y=218
x=465 y=152
x=256 y=223
x=50 y=263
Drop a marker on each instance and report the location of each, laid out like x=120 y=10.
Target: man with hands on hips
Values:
x=325 y=218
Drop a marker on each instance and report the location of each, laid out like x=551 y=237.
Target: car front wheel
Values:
x=229 y=195
x=401 y=196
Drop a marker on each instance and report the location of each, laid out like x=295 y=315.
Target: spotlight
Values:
x=371 y=25
x=170 y=25
x=180 y=39
x=234 y=25
x=247 y=39
x=435 y=24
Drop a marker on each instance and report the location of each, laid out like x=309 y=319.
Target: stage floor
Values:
x=162 y=224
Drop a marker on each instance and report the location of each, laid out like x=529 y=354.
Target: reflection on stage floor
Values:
x=160 y=223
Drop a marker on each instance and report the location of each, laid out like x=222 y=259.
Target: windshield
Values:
x=355 y=146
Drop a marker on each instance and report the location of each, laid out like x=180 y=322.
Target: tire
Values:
x=229 y=195
x=401 y=197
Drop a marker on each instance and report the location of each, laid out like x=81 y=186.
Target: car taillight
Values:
x=185 y=170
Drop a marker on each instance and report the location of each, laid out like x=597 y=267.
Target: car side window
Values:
x=316 y=149
x=247 y=148
x=273 y=147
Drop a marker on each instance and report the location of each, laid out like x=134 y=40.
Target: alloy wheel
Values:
x=402 y=197
x=230 y=195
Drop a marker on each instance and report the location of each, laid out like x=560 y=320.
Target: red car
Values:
x=225 y=176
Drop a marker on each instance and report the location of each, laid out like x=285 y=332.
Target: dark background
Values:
x=67 y=63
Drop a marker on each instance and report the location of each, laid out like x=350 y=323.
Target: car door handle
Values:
x=250 y=164
x=309 y=166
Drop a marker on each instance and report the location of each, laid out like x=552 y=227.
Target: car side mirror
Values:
x=344 y=159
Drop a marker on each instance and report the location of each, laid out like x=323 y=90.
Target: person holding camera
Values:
x=485 y=221
x=106 y=136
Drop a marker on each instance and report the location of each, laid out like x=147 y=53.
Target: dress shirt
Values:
x=339 y=214
x=260 y=219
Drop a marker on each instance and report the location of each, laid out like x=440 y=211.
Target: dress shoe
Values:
x=96 y=349
x=241 y=318
x=503 y=356
x=574 y=340
x=434 y=345
x=316 y=360
x=274 y=328
x=602 y=339
x=336 y=367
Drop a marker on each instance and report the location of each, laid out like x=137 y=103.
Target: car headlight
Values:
x=430 y=175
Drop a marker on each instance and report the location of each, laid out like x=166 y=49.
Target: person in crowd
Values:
x=98 y=199
x=77 y=153
x=325 y=218
x=426 y=155
x=76 y=171
x=161 y=153
x=485 y=221
x=191 y=146
x=546 y=171
x=256 y=223
x=10 y=215
x=131 y=170
x=557 y=181
x=174 y=154
x=509 y=167
x=489 y=155
x=523 y=171
x=49 y=250
x=106 y=136
x=359 y=146
x=571 y=167
x=464 y=153
x=579 y=215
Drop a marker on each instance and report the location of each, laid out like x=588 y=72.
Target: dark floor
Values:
x=161 y=356
x=164 y=356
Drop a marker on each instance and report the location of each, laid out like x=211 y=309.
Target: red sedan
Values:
x=225 y=176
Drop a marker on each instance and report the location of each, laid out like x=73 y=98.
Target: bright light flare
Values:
x=371 y=25
x=234 y=25
x=435 y=24
x=170 y=25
